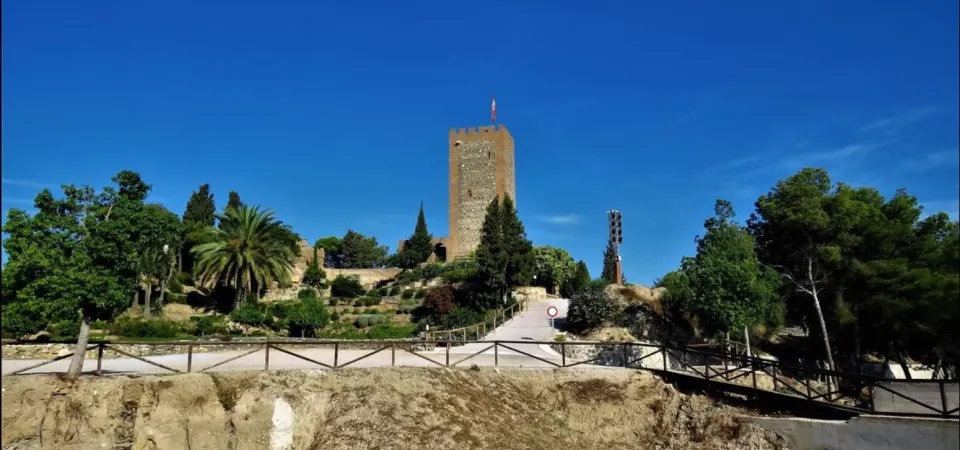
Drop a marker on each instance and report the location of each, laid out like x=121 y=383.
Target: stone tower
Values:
x=481 y=168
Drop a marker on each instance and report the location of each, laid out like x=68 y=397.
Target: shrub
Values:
x=440 y=300
x=335 y=317
x=65 y=330
x=184 y=278
x=99 y=325
x=431 y=271
x=375 y=319
x=140 y=328
x=589 y=309
x=347 y=287
x=394 y=291
x=209 y=325
x=387 y=331
x=383 y=291
x=174 y=286
x=306 y=317
x=421 y=293
x=362 y=321
x=281 y=310
x=173 y=297
x=370 y=311
x=408 y=276
x=250 y=314
x=374 y=293
x=371 y=301
x=334 y=301
x=407 y=294
x=314 y=276
x=359 y=302
x=307 y=294
x=458 y=271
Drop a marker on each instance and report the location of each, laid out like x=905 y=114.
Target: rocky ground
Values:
x=370 y=409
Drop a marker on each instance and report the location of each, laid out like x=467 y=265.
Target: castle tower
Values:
x=481 y=168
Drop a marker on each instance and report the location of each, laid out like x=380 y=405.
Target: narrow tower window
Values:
x=469 y=193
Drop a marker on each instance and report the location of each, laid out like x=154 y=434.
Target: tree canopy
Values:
x=553 y=267
x=504 y=256
x=418 y=248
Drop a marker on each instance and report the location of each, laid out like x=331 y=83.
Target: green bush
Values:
x=362 y=321
x=174 y=297
x=430 y=271
x=383 y=291
x=407 y=294
x=334 y=301
x=209 y=325
x=281 y=310
x=359 y=302
x=589 y=309
x=306 y=317
x=347 y=287
x=458 y=271
x=174 y=286
x=408 y=276
x=307 y=294
x=184 y=278
x=387 y=331
x=99 y=325
x=251 y=314
x=64 y=330
x=394 y=291
x=335 y=317
x=421 y=293
x=370 y=311
x=140 y=328
x=371 y=301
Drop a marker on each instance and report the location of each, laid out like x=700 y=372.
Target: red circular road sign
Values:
x=552 y=311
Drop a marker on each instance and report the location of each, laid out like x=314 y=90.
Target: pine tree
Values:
x=419 y=247
x=609 y=273
x=314 y=276
x=234 y=200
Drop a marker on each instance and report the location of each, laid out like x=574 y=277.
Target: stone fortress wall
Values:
x=481 y=168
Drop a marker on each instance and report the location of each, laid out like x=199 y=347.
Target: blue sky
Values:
x=335 y=114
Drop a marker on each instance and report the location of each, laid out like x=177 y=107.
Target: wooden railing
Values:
x=791 y=387
x=478 y=330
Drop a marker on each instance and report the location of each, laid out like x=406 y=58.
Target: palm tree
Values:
x=247 y=250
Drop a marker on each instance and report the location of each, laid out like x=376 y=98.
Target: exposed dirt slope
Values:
x=370 y=409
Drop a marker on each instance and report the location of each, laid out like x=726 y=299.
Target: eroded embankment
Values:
x=370 y=409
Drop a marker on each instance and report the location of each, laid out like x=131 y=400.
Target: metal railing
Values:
x=733 y=373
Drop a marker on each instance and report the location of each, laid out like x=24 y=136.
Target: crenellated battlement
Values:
x=478 y=132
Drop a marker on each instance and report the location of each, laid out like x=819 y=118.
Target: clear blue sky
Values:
x=335 y=114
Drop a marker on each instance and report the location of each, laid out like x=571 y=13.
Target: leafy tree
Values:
x=792 y=226
x=553 y=267
x=418 y=248
x=161 y=234
x=724 y=287
x=577 y=282
x=76 y=256
x=314 y=276
x=305 y=317
x=197 y=217
x=246 y=251
x=609 y=271
x=346 y=287
x=590 y=308
x=361 y=252
x=332 y=251
x=234 y=200
x=440 y=300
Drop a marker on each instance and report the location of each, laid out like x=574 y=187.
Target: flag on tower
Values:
x=493 y=109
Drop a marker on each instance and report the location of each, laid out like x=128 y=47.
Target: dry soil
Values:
x=372 y=409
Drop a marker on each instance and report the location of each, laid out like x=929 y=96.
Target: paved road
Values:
x=532 y=324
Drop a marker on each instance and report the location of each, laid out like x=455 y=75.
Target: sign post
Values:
x=552 y=313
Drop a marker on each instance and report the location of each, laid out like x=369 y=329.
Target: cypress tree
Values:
x=197 y=216
x=609 y=273
x=419 y=247
x=519 y=249
x=234 y=200
x=491 y=257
